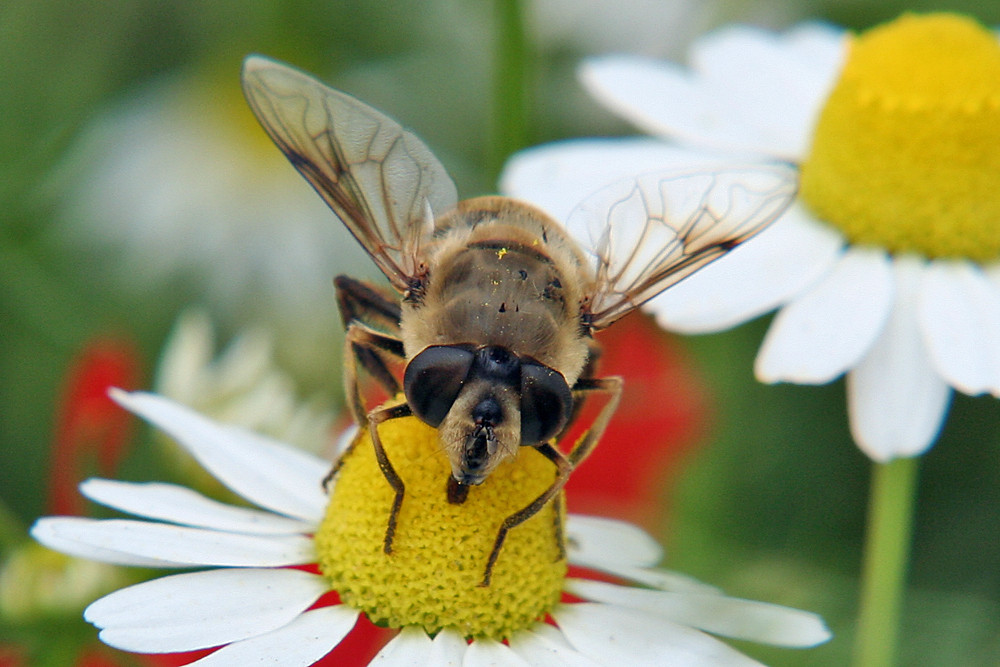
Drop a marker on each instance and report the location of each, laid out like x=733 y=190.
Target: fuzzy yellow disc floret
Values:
x=440 y=550
x=906 y=151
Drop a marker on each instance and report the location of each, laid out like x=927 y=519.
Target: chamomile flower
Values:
x=887 y=268
x=265 y=593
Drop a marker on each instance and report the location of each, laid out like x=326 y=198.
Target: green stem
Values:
x=887 y=551
x=510 y=90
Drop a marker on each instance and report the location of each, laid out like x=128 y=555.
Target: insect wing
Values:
x=649 y=233
x=379 y=179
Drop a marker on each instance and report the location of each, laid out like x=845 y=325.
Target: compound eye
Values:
x=546 y=403
x=433 y=379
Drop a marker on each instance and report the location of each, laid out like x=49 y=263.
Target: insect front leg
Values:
x=376 y=417
x=362 y=343
x=565 y=464
x=361 y=304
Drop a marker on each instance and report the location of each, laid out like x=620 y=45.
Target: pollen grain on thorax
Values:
x=440 y=549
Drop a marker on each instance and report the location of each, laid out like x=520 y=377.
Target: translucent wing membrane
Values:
x=379 y=179
x=649 y=233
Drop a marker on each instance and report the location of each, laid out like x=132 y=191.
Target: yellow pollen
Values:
x=501 y=252
x=906 y=152
x=439 y=552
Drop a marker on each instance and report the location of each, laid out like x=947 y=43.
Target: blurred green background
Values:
x=769 y=505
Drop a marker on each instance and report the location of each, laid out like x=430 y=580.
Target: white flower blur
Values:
x=176 y=184
x=241 y=385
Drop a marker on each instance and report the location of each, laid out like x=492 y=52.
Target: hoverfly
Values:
x=497 y=301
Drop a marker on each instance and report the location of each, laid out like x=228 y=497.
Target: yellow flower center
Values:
x=906 y=152
x=440 y=550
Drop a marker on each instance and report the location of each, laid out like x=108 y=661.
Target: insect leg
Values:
x=612 y=386
x=563 y=469
x=364 y=343
x=360 y=339
x=565 y=464
x=361 y=303
x=376 y=417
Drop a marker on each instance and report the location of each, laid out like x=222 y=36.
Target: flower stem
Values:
x=887 y=550
x=510 y=92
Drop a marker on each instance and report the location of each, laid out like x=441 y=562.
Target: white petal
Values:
x=490 y=653
x=766 y=91
x=448 y=649
x=176 y=504
x=756 y=277
x=624 y=550
x=163 y=545
x=184 y=612
x=545 y=645
x=299 y=644
x=749 y=90
x=662 y=579
x=960 y=314
x=596 y=541
x=265 y=472
x=826 y=330
x=558 y=176
x=659 y=97
x=718 y=614
x=895 y=398
x=614 y=635
x=60 y=533
x=411 y=646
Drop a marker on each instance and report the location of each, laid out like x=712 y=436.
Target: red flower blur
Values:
x=660 y=416
x=91 y=431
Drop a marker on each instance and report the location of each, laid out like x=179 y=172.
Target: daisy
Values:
x=887 y=269
x=265 y=593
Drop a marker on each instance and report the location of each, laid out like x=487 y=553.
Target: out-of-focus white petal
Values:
x=448 y=649
x=185 y=612
x=545 y=645
x=747 y=91
x=261 y=470
x=718 y=614
x=758 y=276
x=895 y=399
x=608 y=634
x=298 y=644
x=767 y=89
x=658 y=97
x=826 y=330
x=484 y=652
x=177 y=504
x=62 y=534
x=411 y=646
x=558 y=176
x=959 y=312
x=163 y=545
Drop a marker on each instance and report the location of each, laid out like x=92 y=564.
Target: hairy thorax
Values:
x=505 y=275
